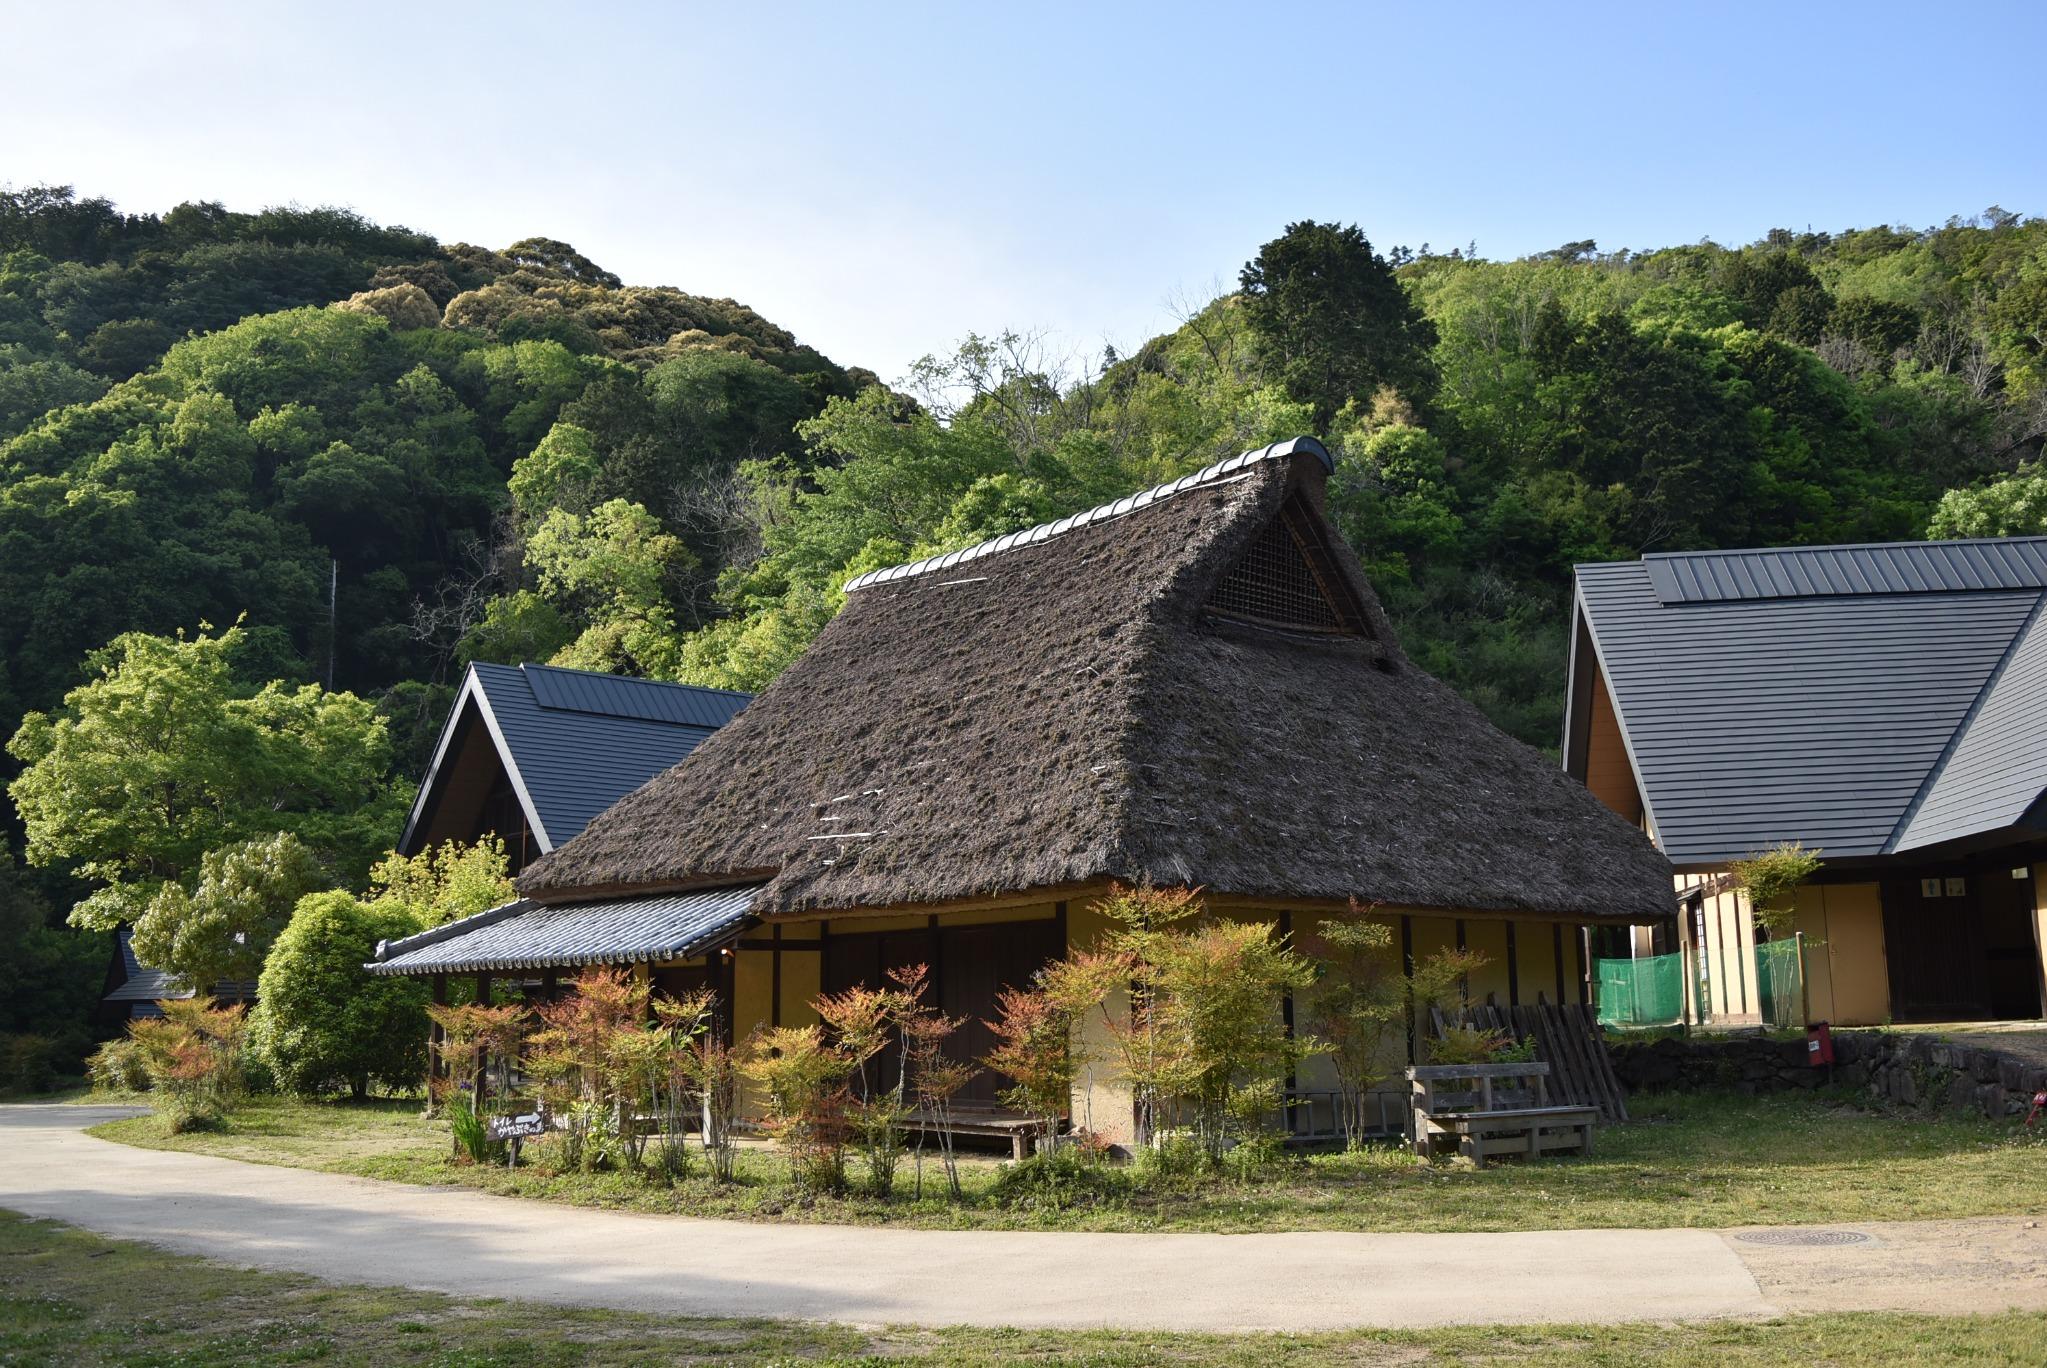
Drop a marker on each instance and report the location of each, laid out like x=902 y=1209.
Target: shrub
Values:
x=478 y=1047
x=1204 y=1039
x=116 y=1067
x=712 y=1068
x=863 y=1022
x=1469 y=1045
x=935 y=1078
x=585 y=1063
x=804 y=1077
x=322 y=1022
x=193 y=1056
x=29 y=1062
x=1771 y=878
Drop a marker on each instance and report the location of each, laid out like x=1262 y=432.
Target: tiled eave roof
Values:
x=529 y=935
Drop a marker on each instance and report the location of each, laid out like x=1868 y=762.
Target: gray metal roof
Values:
x=140 y=982
x=1997 y=768
x=1828 y=571
x=529 y=935
x=1774 y=696
x=1215 y=474
x=576 y=742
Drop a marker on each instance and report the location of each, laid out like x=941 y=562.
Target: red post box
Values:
x=1819 y=1044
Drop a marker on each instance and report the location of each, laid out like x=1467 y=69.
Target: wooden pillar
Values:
x=775 y=976
x=436 y=1067
x=1407 y=967
x=1286 y=1017
x=482 y=1054
x=725 y=963
x=1556 y=940
x=1513 y=969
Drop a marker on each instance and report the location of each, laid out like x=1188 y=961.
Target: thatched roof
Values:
x=1109 y=698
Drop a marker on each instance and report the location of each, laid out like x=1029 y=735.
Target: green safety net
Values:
x=1641 y=992
x=1780 y=986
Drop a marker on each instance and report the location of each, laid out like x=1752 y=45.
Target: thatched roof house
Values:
x=1194 y=685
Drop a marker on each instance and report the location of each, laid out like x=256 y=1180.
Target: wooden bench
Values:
x=1488 y=1109
x=983 y=1122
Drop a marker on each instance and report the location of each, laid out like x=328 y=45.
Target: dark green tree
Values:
x=1333 y=324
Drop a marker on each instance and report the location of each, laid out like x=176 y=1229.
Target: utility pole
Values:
x=333 y=590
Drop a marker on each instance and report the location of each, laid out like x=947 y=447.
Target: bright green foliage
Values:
x=446 y=883
x=220 y=931
x=2015 y=506
x=1203 y=1042
x=1771 y=879
x=321 y=1023
x=164 y=756
x=612 y=568
x=1364 y=1001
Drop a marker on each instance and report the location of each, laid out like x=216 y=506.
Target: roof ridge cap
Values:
x=525 y=665
x=1214 y=474
x=433 y=935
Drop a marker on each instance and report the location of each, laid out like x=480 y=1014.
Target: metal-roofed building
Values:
x=1885 y=704
x=531 y=753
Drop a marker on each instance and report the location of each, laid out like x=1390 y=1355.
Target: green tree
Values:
x=164 y=755
x=2015 y=506
x=446 y=883
x=321 y=1022
x=1332 y=321
x=220 y=931
x=612 y=568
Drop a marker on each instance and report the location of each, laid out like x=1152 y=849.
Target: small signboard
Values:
x=523 y=1126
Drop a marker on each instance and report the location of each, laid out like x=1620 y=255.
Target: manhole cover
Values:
x=1805 y=1237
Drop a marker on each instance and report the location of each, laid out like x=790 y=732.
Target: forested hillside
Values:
x=386 y=456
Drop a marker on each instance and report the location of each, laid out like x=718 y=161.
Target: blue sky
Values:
x=883 y=182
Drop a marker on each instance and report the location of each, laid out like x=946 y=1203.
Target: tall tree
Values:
x=1333 y=322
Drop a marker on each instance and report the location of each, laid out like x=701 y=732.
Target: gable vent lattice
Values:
x=1274 y=585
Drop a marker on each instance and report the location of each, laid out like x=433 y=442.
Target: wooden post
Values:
x=1513 y=969
x=436 y=1067
x=1804 y=989
x=1407 y=967
x=775 y=977
x=482 y=1052
x=728 y=1009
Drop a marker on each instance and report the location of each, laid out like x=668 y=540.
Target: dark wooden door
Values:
x=1935 y=947
x=968 y=965
x=977 y=963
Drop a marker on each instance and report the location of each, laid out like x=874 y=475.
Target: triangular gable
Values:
x=1287 y=580
x=470 y=721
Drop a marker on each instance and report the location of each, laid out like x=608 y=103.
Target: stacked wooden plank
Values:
x=1568 y=1038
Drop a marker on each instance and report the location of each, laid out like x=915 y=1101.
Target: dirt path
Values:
x=360 y=1231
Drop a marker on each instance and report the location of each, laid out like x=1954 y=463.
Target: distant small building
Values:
x=133 y=989
x=530 y=753
x=1886 y=705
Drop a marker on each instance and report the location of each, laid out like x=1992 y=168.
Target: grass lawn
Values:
x=67 y=1297
x=1687 y=1160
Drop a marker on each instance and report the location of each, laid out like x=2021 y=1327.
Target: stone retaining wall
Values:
x=1908 y=1070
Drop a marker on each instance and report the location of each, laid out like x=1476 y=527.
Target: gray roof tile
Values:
x=527 y=935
